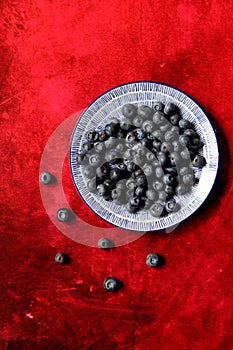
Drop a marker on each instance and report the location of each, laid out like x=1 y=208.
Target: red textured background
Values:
x=56 y=57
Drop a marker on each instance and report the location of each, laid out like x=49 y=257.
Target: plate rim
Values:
x=104 y=93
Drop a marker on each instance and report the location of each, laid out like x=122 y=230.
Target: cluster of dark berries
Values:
x=143 y=159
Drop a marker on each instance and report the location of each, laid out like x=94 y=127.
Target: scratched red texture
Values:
x=56 y=57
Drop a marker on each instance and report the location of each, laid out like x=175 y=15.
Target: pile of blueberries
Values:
x=144 y=159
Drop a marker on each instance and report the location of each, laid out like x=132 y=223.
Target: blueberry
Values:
x=169 y=108
x=115 y=174
x=129 y=154
x=196 y=144
x=147 y=169
x=131 y=166
x=81 y=158
x=150 y=156
x=148 y=126
x=145 y=112
x=137 y=121
x=129 y=110
x=149 y=136
x=156 y=209
x=174 y=119
x=159 y=118
x=112 y=155
x=158 y=185
x=120 y=147
x=109 y=184
x=122 y=167
x=140 y=134
x=141 y=151
x=87 y=146
x=199 y=161
x=159 y=172
x=102 y=190
x=188 y=179
x=125 y=124
x=170 y=136
x=176 y=146
x=94 y=160
x=184 y=140
x=185 y=124
x=162 y=158
x=151 y=194
x=174 y=158
x=136 y=173
x=153 y=260
x=165 y=127
x=176 y=130
x=64 y=215
x=141 y=181
x=61 y=258
x=168 y=179
x=158 y=106
x=166 y=147
x=135 y=202
x=156 y=145
x=131 y=209
x=111 y=130
x=169 y=190
x=103 y=136
x=118 y=195
x=111 y=142
x=162 y=196
x=89 y=172
x=130 y=137
x=138 y=160
x=93 y=136
x=111 y=284
x=46 y=178
x=145 y=143
x=146 y=203
x=130 y=183
x=157 y=134
x=184 y=171
x=121 y=134
x=91 y=185
x=102 y=172
x=105 y=243
x=171 y=170
x=171 y=206
x=99 y=147
x=139 y=191
x=190 y=132
x=185 y=154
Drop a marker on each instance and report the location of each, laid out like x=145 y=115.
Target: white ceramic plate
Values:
x=109 y=105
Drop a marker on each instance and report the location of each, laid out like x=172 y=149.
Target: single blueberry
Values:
x=153 y=260
x=148 y=126
x=185 y=124
x=61 y=258
x=159 y=118
x=158 y=106
x=169 y=108
x=137 y=121
x=111 y=284
x=46 y=178
x=185 y=140
x=174 y=119
x=156 y=209
x=145 y=112
x=89 y=172
x=199 y=161
x=129 y=110
x=64 y=215
x=105 y=243
x=125 y=124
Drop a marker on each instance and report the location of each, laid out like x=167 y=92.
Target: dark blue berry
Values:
x=141 y=181
x=111 y=284
x=190 y=132
x=169 y=108
x=158 y=106
x=188 y=179
x=130 y=137
x=130 y=183
x=166 y=147
x=158 y=185
x=64 y=215
x=170 y=136
x=171 y=206
x=151 y=194
x=46 y=178
x=93 y=136
x=94 y=160
x=168 y=179
x=175 y=158
x=91 y=185
x=198 y=161
x=111 y=142
x=156 y=209
x=185 y=124
x=99 y=147
x=137 y=121
x=115 y=174
x=103 y=136
x=159 y=118
x=109 y=184
x=174 y=119
x=153 y=260
x=89 y=172
x=148 y=126
x=147 y=169
x=105 y=243
x=87 y=146
x=196 y=144
x=61 y=258
x=102 y=190
x=185 y=140
x=125 y=124
x=140 y=134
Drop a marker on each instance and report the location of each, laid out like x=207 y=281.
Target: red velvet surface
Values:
x=56 y=57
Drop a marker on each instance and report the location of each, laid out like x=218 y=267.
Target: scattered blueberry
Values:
x=64 y=215
x=46 y=178
x=153 y=260
x=61 y=258
x=105 y=243
x=111 y=284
